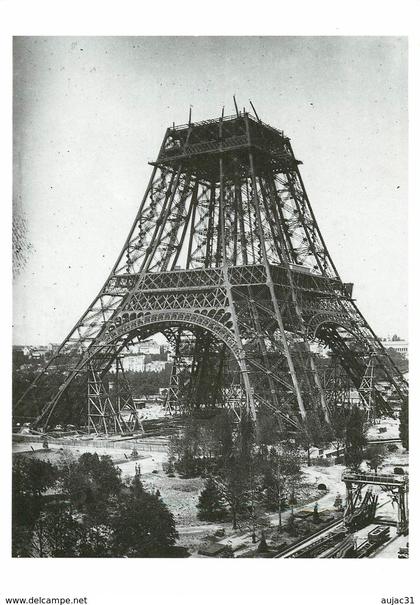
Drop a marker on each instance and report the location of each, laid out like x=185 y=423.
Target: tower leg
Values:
x=172 y=401
x=274 y=300
x=242 y=358
x=104 y=415
x=124 y=400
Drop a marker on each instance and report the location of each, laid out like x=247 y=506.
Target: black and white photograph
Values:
x=210 y=342
x=222 y=394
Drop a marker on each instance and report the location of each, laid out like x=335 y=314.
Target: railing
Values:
x=229 y=119
x=143 y=446
x=203 y=147
x=372 y=478
x=212 y=276
x=187 y=278
x=205 y=122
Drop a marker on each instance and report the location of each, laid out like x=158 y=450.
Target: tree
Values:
x=269 y=486
x=262 y=546
x=136 y=485
x=338 y=417
x=41 y=525
x=210 y=505
x=185 y=449
x=90 y=514
x=32 y=477
x=142 y=526
x=72 y=412
x=91 y=483
x=147 y=383
x=355 y=438
x=170 y=468
x=304 y=438
x=374 y=455
x=203 y=445
x=232 y=478
x=291 y=525
x=270 y=430
x=246 y=438
x=56 y=533
x=283 y=472
x=237 y=479
x=313 y=431
x=255 y=519
x=95 y=542
x=232 y=482
x=21 y=539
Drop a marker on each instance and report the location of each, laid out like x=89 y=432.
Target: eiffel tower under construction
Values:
x=226 y=260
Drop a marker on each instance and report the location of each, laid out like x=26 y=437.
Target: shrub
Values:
x=169 y=467
x=210 y=505
x=291 y=526
x=338 y=503
x=143 y=526
x=262 y=546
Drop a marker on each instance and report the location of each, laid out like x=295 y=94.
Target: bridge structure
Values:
x=225 y=254
x=395 y=485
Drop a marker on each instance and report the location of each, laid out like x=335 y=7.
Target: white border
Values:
x=312 y=582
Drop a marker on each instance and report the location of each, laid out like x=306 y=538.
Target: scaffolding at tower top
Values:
x=199 y=145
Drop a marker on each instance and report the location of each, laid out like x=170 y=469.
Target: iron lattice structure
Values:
x=110 y=405
x=225 y=247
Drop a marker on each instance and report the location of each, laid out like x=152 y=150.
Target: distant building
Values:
x=134 y=363
x=22 y=349
x=53 y=347
x=401 y=346
x=146 y=347
x=319 y=349
x=155 y=366
x=38 y=353
x=31 y=352
x=138 y=360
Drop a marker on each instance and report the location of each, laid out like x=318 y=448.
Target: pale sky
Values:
x=89 y=113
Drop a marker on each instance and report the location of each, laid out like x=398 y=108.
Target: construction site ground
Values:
x=181 y=495
x=391 y=426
